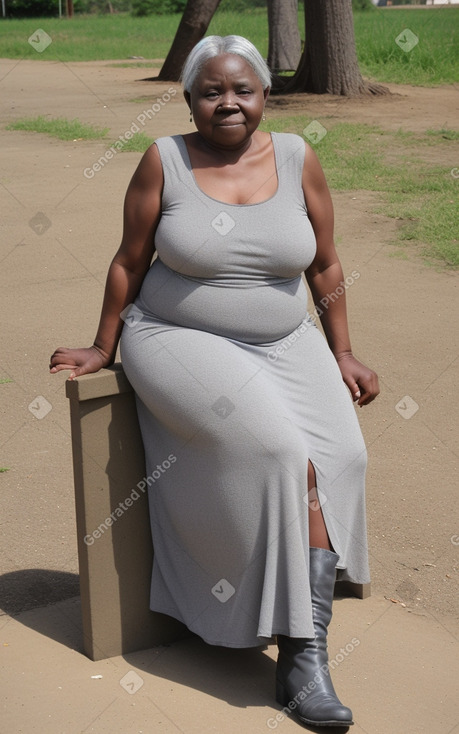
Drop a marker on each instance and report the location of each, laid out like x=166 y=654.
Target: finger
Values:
x=77 y=372
x=353 y=387
x=60 y=367
x=59 y=357
x=60 y=351
x=369 y=395
x=364 y=391
x=365 y=399
x=85 y=369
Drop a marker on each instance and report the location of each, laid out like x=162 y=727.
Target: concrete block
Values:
x=115 y=549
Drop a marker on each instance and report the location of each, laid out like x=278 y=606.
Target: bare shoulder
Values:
x=142 y=212
x=311 y=161
x=149 y=172
x=313 y=175
x=142 y=202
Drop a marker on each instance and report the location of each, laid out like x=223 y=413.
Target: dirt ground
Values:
x=60 y=230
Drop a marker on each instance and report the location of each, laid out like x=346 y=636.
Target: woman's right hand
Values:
x=79 y=361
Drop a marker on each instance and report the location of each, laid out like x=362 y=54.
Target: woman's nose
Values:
x=228 y=101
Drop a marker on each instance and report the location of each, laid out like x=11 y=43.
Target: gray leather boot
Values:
x=303 y=675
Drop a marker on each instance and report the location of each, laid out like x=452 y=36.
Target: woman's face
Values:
x=227 y=101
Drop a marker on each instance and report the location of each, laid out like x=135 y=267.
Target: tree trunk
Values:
x=284 y=50
x=329 y=61
x=193 y=25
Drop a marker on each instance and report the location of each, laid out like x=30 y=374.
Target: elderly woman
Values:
x=264 y=500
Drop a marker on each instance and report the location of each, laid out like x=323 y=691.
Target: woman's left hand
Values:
x=361 y=381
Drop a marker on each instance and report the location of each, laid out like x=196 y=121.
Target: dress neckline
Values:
x=227 y=203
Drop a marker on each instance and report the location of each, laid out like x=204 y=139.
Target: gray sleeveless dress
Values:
x=236 y=390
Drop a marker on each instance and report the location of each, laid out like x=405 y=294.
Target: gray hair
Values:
x=212 y=46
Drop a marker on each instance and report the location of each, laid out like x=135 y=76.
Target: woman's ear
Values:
x=187 y=98
x=266 y=93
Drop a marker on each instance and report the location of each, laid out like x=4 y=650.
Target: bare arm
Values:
x=142 y=212
x=324 y=276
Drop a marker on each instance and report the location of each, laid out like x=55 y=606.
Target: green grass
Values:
x=434 y=60
x=446 y=134
x=135 y=64
x=137 y=144
x=76 y=130
x=59 y=127
x=140 y=100
x=4 y=469
x=423 y=197
x=87 y=38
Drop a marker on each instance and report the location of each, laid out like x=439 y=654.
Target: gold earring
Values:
x=263 y=116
